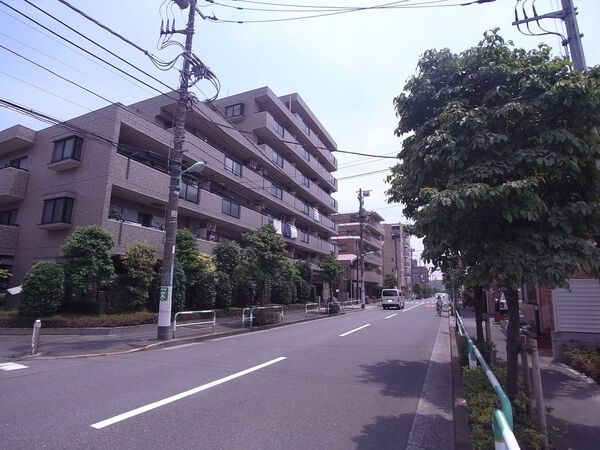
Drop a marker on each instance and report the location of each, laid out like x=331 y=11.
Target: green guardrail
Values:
x=502 y=420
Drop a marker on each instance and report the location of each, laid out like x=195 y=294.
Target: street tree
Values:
x=264 y=255
x=139 y=273
x=499 y=164
x=332 y=271
x=88 y=264
x=389 y=281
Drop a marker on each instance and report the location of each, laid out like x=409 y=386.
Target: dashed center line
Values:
x=388 y=317
x=12 y=366
x=352 y=331
x=408 y=309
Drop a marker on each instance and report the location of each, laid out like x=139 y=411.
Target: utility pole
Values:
x=568 y=14
x=361 y=249
x=166 y=284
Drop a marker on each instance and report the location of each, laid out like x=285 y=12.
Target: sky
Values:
x=347 y=67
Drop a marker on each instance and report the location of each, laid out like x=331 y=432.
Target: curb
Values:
x=175 y=342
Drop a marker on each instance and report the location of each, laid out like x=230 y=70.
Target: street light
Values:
x=166 y=288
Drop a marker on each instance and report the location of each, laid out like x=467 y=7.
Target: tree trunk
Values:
x=478 y=303
x=512 y=342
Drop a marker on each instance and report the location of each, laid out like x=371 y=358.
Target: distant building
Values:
x=349 y=247
x=269 y=160
x=420 y=274
x=397 y=256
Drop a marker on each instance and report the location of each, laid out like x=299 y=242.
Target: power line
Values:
x=81 y=48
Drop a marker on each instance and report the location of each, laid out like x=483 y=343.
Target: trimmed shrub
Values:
x=333 y=308
x=43 y=290
x=265 y=317
x=224 y=291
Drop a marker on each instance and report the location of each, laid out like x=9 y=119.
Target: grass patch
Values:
x=482 y=401
x=585 y=359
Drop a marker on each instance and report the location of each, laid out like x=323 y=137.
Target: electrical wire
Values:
x=56 y=74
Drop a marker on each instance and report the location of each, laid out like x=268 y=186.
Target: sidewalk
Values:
x=15 y=343
x=573 y=399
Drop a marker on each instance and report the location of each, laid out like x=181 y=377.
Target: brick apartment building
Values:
x=397 y=256
x=268 y=160
x=348 y=242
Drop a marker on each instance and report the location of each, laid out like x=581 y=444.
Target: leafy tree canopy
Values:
x=498 y=164
x=227 y=256
x=389 y=281
x=332 y=270
x=88 y=258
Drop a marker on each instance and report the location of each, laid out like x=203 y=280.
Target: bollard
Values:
x=35 y=337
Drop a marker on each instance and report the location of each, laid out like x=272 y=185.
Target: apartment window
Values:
x=277 y=158
x=306 y=128
x=234 y=110
x=233 y=166
x=276 y=191
x=57 y=210
x=19 y=163
x=145 y=219
x=8 y=217
x=189 y=192
x=303 y=236
x=231 y=208
x=305 y=208
x=69 y=148
x=305 y=154
x=278 y=128
x=305 y=180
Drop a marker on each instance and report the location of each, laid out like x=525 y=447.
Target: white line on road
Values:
x=352 y=331
x=12 y=366
x=177 y=347
x=408 y=309
x=388 y=317
x=166 y=401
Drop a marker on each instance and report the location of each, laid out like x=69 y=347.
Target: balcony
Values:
x=13 y=183
x=16 y=138
x=8 y=239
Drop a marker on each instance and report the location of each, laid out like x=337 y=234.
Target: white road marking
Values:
x=408 y=309
x=177 y=347
x=173 y=398
x=12 y=366
x=388 y=317
x=356 y=329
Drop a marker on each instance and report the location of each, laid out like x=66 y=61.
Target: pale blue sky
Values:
x=346 y=67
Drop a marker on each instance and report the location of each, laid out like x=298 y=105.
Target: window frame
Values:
x=60 y=211
x=305 y=180
x=277 y=158
x=305 y=154
x=58 y=152
x=228 y=206
x=304 y=233
x=17 y=163
x=278 y=128
x=237 y=110
x=305 y=208
x=276 y=191
x=11 y=217
x=184 y=192
x=231 y=168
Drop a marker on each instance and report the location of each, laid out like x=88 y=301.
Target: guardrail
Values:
x=502 y=420
x=248 y=313
x=189 y=324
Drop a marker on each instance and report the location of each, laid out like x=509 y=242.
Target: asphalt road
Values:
x=348 y=382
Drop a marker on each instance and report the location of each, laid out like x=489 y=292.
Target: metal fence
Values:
x=205 y=312
x=248 y=313
x=502 y=420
